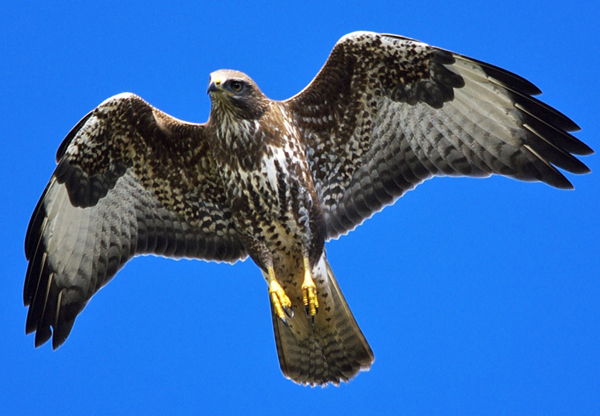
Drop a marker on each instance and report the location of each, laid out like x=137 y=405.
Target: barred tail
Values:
x=333 y=349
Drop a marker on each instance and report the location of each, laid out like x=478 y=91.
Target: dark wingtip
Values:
x=42 y=335
x=558 y=180
x=583 y=149
x=510 y=79
x=57 y=341
x=32 y=236
x=567 y=187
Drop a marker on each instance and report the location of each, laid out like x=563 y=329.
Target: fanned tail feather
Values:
x=331 y=350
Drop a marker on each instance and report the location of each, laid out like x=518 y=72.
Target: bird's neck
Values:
x=238 y=141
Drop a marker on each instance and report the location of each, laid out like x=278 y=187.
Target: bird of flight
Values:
x=275 y=180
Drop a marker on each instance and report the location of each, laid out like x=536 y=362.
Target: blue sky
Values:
x=477 y=296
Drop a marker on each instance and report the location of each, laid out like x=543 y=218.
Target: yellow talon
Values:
x=309 y=291
x=280 y=300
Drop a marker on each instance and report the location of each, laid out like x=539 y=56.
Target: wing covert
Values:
x=387 y=112
x=130 y=180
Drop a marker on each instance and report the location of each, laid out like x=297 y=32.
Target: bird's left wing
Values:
x=387 y=112
x=130 y=180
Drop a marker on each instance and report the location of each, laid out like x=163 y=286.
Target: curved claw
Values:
x=289 y=311
x=281 y=302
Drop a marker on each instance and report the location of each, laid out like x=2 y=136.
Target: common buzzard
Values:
x=274 y=180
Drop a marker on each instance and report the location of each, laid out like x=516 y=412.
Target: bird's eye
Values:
x=236 y=86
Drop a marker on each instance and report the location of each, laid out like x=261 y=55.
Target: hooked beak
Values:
x=214 y=85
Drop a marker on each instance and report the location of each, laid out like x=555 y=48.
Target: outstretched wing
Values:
x=387 y=112
x=130 y=180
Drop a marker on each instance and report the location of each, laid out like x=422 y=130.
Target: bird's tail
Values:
x=330 y=350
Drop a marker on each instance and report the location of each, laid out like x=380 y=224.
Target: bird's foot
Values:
x=309 y=292
x=281 y=302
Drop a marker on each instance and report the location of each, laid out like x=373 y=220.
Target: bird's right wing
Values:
x=130 y=180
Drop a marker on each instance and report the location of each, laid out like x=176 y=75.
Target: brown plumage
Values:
x=275 y=180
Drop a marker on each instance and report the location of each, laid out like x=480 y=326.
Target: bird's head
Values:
x=234 y=93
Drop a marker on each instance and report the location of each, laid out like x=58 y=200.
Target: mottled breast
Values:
x=268 y=182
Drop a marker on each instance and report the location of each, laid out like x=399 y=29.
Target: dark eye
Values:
x=236 y=86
